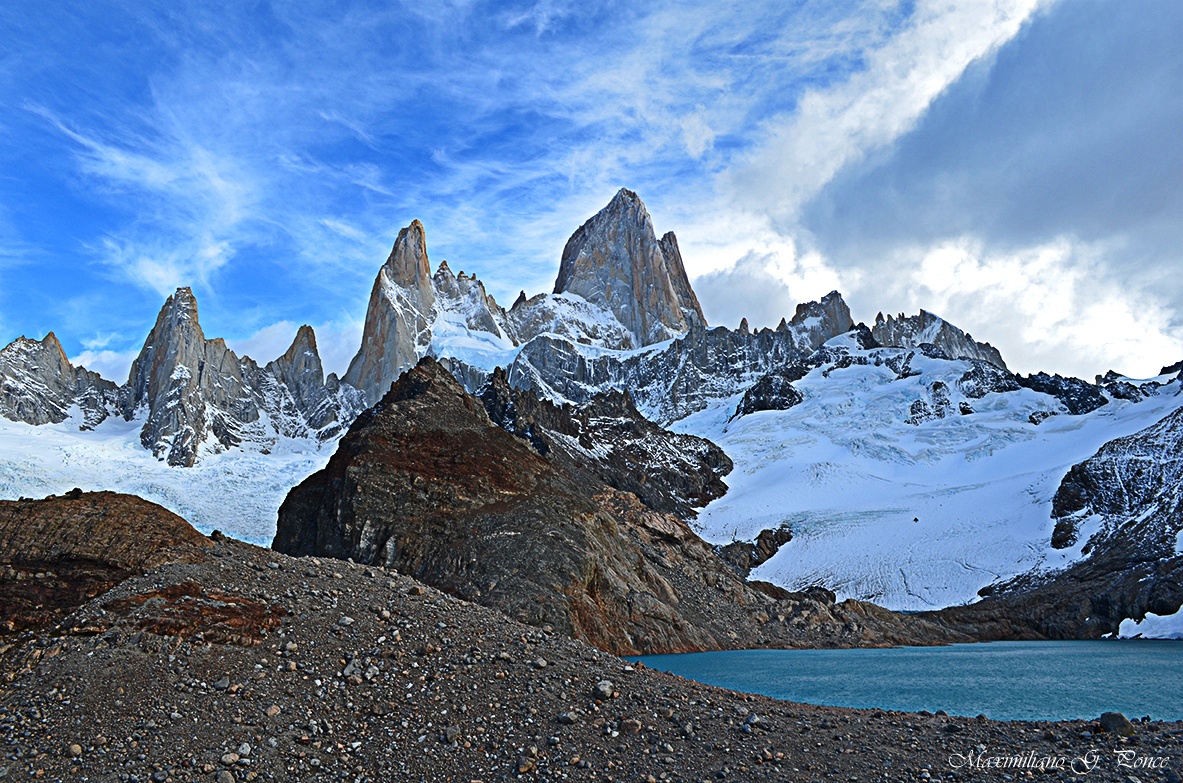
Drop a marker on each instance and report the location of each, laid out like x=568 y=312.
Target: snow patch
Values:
x=1153 y=626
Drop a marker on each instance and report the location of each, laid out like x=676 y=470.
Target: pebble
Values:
x=273 y=711
x=604 y=690
x=222 y=684
x=345 y=621
x=74 y=751
x=224 y=776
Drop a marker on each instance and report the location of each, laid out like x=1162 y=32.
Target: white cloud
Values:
x=112 y=365
x=833 y=127
x=1047 y=307
x=191 y=204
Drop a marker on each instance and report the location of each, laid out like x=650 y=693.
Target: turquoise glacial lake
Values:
x=1003 y=680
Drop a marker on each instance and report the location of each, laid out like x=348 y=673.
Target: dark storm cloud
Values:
x=1072 y=131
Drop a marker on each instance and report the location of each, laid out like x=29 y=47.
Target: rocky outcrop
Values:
x=910 y=331
x=425 y=482
x=1132 y=489
x=983 y=378
x=39 y=385
x=400 y=312
x=938 y=405
x=60 y=552
x=773 y=392
x=616 y=261
x=1077 y=396
x=743 y=556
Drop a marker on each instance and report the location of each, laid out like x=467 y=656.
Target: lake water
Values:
x=1003 y=680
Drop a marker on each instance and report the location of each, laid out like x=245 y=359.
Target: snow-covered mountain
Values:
x=908 y=477
x=903 y=461
x=190 y=396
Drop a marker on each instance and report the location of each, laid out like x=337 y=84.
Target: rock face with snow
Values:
x=195 y=395
x=300 y=401
x=1075 y=395
x=192 y=389
x=910 y=331
x=616 y=261
x=672 y=382
x=401 y=309
x=619 y=288
x=39 y=385
x=427 y=483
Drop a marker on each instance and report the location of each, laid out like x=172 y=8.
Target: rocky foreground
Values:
x=240 y=663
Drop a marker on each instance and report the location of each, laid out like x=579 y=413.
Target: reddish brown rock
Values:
x=62 y=551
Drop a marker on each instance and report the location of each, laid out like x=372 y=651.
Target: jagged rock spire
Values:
x=39 y=385
x=408 y=266
x=398 y=318
x=909 y=331
x=191 y=387
x=616 y=261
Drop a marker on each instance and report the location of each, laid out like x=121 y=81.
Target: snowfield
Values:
x=911 y=517
x=238 y=492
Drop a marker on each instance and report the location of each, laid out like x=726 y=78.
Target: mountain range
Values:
x=901 y=462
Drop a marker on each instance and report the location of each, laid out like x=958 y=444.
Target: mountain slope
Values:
x=39 y=385
x=427 y=483
x=893 y=491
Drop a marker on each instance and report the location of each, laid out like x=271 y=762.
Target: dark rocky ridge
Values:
x=427 y=483
x=608 y=440
x=1077 y=396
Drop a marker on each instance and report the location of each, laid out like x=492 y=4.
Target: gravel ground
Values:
x=256 y=666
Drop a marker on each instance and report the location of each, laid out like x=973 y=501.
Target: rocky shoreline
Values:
x=250 y=665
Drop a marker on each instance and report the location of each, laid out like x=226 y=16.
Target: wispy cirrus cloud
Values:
x=189 y=204
x=268 y=154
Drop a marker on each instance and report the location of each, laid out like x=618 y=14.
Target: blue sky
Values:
x=1012 y=165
